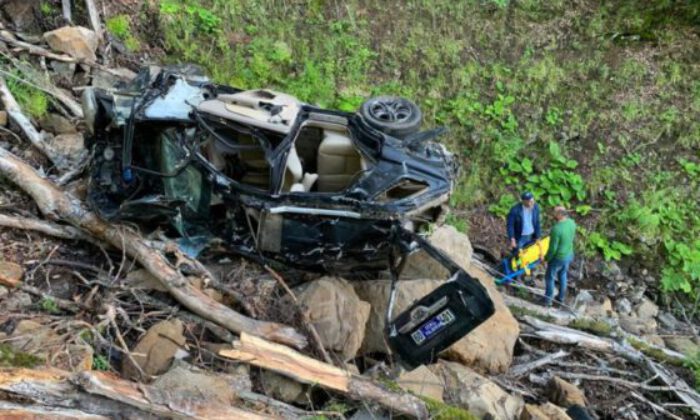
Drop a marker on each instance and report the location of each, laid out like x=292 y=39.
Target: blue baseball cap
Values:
x=527 y=195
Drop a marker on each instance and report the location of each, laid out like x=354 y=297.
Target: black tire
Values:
x=393 y=115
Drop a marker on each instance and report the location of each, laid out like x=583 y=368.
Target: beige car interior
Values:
x=327 y=156
x=322 y=158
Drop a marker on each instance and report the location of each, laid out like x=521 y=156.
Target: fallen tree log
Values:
x=290 y=363
x=42 y=226
x=56 y=204
x=564 y=335
x=96 y=395
x=571 y=320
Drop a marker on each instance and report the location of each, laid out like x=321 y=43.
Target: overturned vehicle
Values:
x=281 y=180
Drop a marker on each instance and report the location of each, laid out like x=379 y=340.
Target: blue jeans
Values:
x=557 y=268
x=524 y=240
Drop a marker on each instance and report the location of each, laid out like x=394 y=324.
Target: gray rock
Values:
x=22 y=14
x=15 y=302
x=469 y=390
x=3 y=291
x=197 y=386
x=421 y=381
x=337 y=313
x=582 y=300
x=646 y=309
x=63 y=73
x=59 y=124
x=157 y=349
x=104 y=80
x=623 y=306
x=76 y=41
x=668 y=321
x=611 y=270
x=282 y=388
x=683 y=345
x=420 y=265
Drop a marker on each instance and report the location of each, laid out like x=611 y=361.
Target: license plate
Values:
x=431 y=327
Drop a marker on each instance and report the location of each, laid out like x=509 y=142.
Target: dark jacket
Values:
x=515 y=221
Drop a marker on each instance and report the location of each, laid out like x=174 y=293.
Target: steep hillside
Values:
x=596 y=106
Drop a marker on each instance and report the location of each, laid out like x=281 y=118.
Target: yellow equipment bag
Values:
x=529 y=255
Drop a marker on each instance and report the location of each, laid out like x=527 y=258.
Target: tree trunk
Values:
x=56 y=204
x=290 y=363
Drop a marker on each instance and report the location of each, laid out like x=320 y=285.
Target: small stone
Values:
x=104 y=80
x=282 y=388
x=76 y=41
x=3 y=118
x=71 y=145
x=58 y=124
x=421 y=381
x=623 y=306
x=646 y=309
x=668 y=321
x=22 y=14
x=3 y=291
x=156 y=350
x=15 y=302
x=63 y=72
x=582 y=300
x=10 y=273
x=683 y=345
x=142 y=279
x=654 y=339
x=547 y=411
x=603 y=309
x=564 y=394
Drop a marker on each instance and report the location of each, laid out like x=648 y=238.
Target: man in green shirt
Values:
x=560 y=254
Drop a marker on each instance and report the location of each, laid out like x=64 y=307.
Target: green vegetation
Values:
x=100 y=362
x=32 y=101
x=49 y=305
x=442 y=411
x=693 y=363
x=120 y=27
x=11 y=358
x=597 y=327
x=605 y=119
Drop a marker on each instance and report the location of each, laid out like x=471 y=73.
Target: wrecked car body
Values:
x=281 y=180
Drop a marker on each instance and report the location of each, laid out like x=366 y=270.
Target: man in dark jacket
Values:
x=523 y=222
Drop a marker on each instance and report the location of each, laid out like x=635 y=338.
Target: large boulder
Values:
x=376 y=292
x=157 y=349
x=77 y=41
x=337 y=313
x=483 y=398
x=420 y=265
x=421 y=381
x=488 y=347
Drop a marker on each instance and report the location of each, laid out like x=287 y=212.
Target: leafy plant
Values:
x=100 y=362
x=120 y=27
x=49 y=305
x=611 y=249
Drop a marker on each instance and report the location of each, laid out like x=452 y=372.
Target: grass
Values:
x=32 y=101
x=120 y=27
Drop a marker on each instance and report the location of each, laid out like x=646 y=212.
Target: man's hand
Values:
x=513 y=244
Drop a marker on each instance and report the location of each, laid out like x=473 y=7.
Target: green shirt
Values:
x=561 y=240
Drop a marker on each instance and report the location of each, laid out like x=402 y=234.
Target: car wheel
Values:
x=393 y=115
